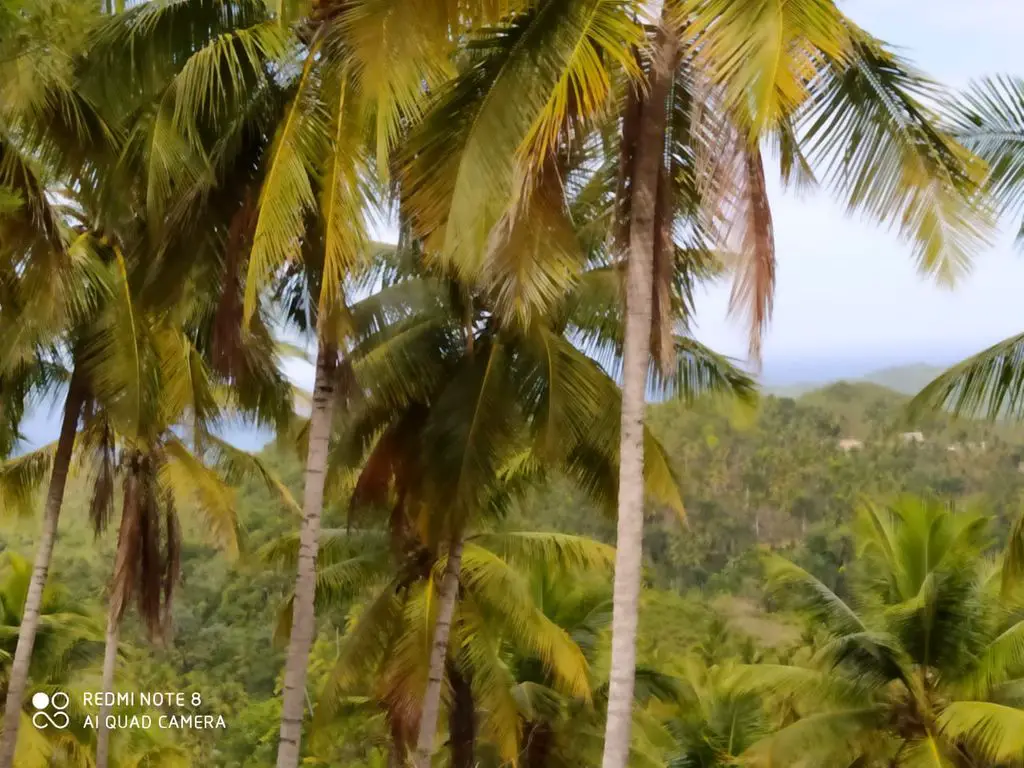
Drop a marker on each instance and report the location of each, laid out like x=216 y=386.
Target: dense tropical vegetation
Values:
x=767 y=482
x=186 y=183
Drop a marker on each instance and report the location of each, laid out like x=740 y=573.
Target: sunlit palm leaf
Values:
x=548 y=550
x=184 y=476
x=503 y=592
x=764 y=53
x=832 y=737
x=995 y=731
x=237 y=466
x=505 y=110
x=885 y=152
x=287 y=195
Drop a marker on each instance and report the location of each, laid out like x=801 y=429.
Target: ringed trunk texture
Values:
x=438 y=655
x=636 y=359
x=18 y=678
x=303 y=615
x=109 y=669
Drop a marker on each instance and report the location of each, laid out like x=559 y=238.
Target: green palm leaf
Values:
x=990 y=384
x=183 y=475
x=994 y=731
x=287 y=194
x=497 y=121
x=21 y=477
x=501 y=591
x=785 y=577
x=763 y=53
x=529 y=549
x=884 y=151
x=989 y=120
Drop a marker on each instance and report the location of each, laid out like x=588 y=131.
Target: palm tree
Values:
x=55 y=267
x=452 y=395
x=716 y=721
x=68 y=641
x=135 y=379
x=482 y=171
x=335 y=90
x=157 y=482
x=857 y=117
x=34 y=364
x=385 y=649
x=989 y=119
x=920 y=667
x=317 y=166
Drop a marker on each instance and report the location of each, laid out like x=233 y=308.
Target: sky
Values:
x=849 y=299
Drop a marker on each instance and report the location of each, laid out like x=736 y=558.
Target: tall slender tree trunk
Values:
x=303 y=615
x=438 y=654
x=107 y=685
x=461 y=721
x=398 y=754
x=116 y=609
x=647 y=168
x=18 y=679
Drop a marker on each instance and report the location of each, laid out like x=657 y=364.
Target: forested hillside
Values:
x=773 y=477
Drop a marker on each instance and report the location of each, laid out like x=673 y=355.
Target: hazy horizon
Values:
x=41 y=424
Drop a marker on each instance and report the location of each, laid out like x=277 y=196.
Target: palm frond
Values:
x=498 y=120
x=990 y=384
x=287 y=194
x=21 y=477
x=236 y=466
x=502 y=592
x=988 y=119
x=832 y=737
x=346 y=198
x=699 y=372
x=886 y=153
x=184 y=475
x=995 y=732
x=531 y=549
x=764 y=54
x=786 y=578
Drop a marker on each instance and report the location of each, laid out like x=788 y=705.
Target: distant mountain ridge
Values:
x=904 y=379
x=42 y=424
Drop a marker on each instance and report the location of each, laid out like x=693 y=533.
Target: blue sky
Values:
x=849 y=299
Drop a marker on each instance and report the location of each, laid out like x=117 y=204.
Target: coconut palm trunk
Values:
x=115 y=612
x=398 y=752
x=636 y=360
x=18 y=679
x=461 y=720
x=303 y=615
x=107 y=685
x=438 y=655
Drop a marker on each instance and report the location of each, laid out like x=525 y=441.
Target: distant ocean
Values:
x=42 y=424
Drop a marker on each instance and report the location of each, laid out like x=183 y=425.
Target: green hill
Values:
x=905 y=379
x=774 y=477
x=908 y=379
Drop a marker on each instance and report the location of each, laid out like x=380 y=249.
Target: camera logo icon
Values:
x=50 y=710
